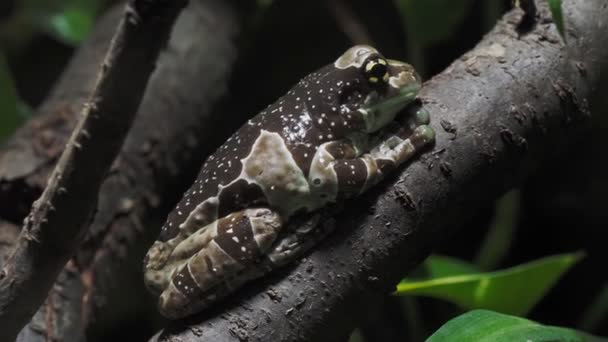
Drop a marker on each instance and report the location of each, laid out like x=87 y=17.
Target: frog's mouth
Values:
x=379 y=113
x=400 y=90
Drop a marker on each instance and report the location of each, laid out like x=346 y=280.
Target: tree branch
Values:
x=58 y=219
x=499 y=111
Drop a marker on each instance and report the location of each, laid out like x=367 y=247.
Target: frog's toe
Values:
x=173 y=304
x=422 y=116
x=423 y=135
x=155 y=281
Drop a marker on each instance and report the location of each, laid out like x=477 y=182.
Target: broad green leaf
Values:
x=488 y=326
x=514 y=290
x=430 y=21
x=12 y=111
x=439 y=266
x=556 y=12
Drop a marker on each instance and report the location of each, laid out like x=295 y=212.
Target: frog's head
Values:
x=386 y=86
x=362 y=89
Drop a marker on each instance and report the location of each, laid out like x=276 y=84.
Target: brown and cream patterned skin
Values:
x=331 y=137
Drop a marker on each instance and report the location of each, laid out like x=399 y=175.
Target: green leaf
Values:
x=431 y=21
x=71 y=26
x=439 y=266
x=68 y=21
x=556 y=11
x=488 y=326
x=12 y=110
x=498 y=240
x=514 y=290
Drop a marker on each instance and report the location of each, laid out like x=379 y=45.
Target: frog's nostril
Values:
x=316 y=181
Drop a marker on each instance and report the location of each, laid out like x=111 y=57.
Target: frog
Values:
x=330 y=138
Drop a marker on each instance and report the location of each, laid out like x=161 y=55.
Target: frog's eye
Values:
x=376 y=70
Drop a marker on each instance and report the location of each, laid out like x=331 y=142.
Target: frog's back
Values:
x=285 y=125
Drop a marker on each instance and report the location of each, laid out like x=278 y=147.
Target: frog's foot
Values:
x=412 y=136
x=300 y=235
x=234 y=243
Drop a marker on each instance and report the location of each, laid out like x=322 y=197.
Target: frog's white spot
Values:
x=235 y=239
x=230 y=231
x=297 y=99
x=243 y=249
x=329 y=136
x=320 y=121
x=332 y=124
x=271 y=163
x=320 y=91
x=309 y=98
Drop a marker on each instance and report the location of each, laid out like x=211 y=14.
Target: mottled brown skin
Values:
x=316 y=145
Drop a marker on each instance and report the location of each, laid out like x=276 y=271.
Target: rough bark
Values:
x=518 y=99
x=173 y=131
x=59 y=218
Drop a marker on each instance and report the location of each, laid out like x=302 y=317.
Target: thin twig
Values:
x=59 y=218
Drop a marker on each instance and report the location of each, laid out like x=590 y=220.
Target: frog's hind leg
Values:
x=240 y=240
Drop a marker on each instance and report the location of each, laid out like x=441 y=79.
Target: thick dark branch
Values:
x=172 y=133
x=499 y=111
x=58 y=219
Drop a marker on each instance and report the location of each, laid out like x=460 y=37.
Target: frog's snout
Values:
x=403 y=75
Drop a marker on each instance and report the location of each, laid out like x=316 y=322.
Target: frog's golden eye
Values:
x=376 y=70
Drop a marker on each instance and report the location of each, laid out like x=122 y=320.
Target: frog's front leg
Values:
x=355 y=174
x=396 y=148
x=237 y=241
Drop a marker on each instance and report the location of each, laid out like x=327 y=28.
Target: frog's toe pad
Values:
x=423 y=135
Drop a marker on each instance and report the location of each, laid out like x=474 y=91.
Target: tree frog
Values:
x=331 y=137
